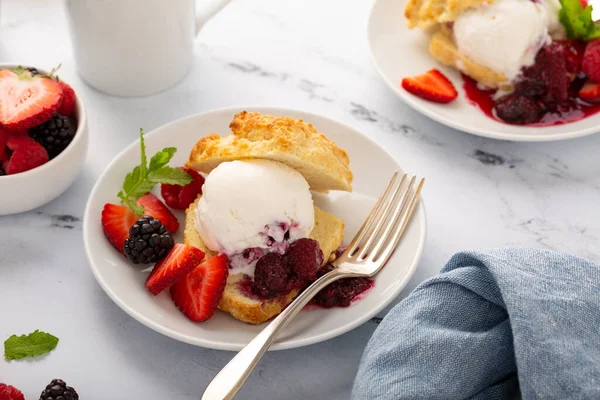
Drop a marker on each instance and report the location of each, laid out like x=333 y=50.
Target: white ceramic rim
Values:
x=290 y=343
x=515 y=137
x=81 y=122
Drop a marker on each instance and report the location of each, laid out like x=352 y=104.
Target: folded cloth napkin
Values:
x=492 y=325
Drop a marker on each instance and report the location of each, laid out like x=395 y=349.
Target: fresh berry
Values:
x=33 y=71
x=116 y=221
x=25 y=100
x=67 y=103
x=271 y=275
x=517 y=109
x=432 y=86
x=2 y=173
x=304 y=258
x=4 y=154
x=341 y=293
x=591 y=60
x=58 y=390
x=178 y=263
x=8 y=392
x=155 y=208
x=180 y=197
x=26 y=154
x=590 y=92
x=197 y=294
x=148 y=241
x=54 y=135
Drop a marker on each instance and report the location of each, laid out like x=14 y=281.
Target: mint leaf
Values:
x=162 y=158
x=143 y=177
x=171 y=176
x=34 y=344
x=577 y=20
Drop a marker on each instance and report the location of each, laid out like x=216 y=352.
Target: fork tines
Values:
x=380 y=233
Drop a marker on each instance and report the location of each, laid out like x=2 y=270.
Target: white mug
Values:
x=136 y=47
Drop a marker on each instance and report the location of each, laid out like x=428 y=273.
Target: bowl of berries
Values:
x=43 y=137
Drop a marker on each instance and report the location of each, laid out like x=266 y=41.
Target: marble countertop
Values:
x=310 y=55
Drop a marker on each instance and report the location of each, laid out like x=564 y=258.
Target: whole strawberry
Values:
x=67 y=103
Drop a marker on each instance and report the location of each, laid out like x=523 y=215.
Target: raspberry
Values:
x=591 y=60
x=271 y=275
x=341 y=293
x=304 y=258
x=517 y=109
x=8 y=392
x=179 y=197
x=26 y=154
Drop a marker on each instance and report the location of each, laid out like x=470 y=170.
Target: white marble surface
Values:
x=308 y=54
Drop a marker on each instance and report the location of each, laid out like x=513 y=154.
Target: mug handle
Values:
x=207 y=10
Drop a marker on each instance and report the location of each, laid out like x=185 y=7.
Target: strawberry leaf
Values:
x=171 y=176
x=162 y=158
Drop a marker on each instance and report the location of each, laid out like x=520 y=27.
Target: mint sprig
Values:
x=143 y=177
x=577 y=20
x=34 y=344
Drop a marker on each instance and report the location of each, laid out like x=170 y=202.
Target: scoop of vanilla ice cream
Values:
x=253 y=204
x=505 y=35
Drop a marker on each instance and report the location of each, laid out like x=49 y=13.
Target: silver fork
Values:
x=365 y=256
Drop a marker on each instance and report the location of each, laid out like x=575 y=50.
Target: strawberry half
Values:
x=8 y=392
x=116 y=222
x=432 y=86
x=27 y=101
x=26 y=154
x=155 y=208
x=197 y=294
x=67 y=103
x=590 y=92
x=180 y=197
x=181 y=260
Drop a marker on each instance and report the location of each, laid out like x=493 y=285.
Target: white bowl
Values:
x=36 y=187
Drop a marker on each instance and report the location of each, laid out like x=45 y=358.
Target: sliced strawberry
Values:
x=27 y=101
x=590 y=92
x=116 y=221
x=26 y=154
x=180 y=197
x=155 y=208
x=67 y=103
x=181 y=260
x=432 y=86
x=197 y=294
x=8 y=392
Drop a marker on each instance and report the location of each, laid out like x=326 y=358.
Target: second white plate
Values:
x=399 y=52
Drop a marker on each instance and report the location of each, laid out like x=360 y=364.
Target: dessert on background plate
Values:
x=253 y=238
x=526 y=62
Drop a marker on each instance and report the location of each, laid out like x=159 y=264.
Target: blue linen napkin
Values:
x=492 y=324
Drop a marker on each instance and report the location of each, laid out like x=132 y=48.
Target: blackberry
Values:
x=54 y=135
x=148 y=241
x=58 y=390
x=33 y=71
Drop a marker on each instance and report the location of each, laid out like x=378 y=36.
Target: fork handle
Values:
x=231 y=378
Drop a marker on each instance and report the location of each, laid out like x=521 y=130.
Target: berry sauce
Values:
x=573 y=110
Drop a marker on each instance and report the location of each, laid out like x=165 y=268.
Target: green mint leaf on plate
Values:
x=171 y=176
x=143 y=177
x=162 y=158
x=577 y=20
x=34 y=344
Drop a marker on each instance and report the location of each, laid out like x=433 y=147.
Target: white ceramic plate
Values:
x=399 y=52
x=124 y=283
